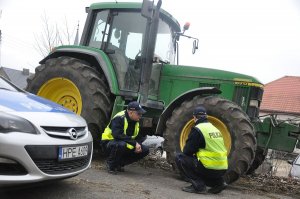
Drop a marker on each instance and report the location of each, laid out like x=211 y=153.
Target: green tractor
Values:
x=129 y=51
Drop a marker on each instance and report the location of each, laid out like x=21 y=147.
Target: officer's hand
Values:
x=138 y=148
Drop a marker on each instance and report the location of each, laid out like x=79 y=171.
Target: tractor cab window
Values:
x=164 y=47
x=98 y=30
x=164 y=52
x=124 y=47
x=120 y=34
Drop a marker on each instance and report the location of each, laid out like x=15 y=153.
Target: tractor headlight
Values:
x=253 y=103
x=11 y=123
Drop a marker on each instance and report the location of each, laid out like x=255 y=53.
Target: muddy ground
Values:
x=255 y=183
x=150 y=178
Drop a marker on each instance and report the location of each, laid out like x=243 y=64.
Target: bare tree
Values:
x=52 y=36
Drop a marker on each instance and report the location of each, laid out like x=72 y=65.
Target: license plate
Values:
x=72 y=152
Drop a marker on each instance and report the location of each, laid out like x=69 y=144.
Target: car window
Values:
x=7 y=86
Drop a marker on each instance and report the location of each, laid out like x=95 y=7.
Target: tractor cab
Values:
x=121 y=33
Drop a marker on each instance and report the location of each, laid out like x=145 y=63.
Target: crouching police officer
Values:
x=120 y=138
x=204 y=158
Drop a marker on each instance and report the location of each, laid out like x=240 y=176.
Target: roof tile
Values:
x=282 y=95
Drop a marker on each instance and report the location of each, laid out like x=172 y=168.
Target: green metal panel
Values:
x=119 y=105
x=277 y=137
x=114 y=5
x=176 y=80
x=208 y=84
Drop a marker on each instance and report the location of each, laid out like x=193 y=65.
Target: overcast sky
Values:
x=260 y=38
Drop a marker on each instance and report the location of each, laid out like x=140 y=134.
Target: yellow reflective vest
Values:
x=107 y=134
x=214 y=155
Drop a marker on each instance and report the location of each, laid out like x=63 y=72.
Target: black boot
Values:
x=120 y=169
x=191 y=189
x=217 y=189
x=111 y=169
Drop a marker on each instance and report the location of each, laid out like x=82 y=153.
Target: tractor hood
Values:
x=179 y=80
x=197 y=73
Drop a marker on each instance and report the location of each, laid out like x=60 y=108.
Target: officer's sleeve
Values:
x=117 y=128
x=194 y=142
x=140 y=138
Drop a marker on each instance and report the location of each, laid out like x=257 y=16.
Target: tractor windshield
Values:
x=120 y=34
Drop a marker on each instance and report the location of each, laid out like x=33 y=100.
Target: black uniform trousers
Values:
x=120 y=155
x=198 y=175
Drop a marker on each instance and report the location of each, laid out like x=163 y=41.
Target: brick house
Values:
x=282 y=97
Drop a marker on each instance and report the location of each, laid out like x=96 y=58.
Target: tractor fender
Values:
x=205 y=91
x=94 y=57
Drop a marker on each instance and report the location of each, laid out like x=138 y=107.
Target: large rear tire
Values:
x=234 y=124
x=76 y=86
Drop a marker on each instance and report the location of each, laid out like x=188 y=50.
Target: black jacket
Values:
x=195 y=140
x=117 y=127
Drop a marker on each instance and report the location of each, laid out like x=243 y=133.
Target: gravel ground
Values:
x=151 y=178
x=262 y=183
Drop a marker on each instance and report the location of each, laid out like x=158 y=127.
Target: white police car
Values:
x=39 y=140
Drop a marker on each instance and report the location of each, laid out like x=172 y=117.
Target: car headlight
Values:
x=11 y=123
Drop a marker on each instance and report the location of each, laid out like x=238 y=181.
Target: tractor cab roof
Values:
x=132 y=5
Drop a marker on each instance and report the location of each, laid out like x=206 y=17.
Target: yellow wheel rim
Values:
x=216 y=122
x=64 y=92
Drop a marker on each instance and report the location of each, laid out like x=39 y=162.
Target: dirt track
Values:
x=142 y=182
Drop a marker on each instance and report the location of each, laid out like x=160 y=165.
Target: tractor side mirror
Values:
x=147 y=9
x=195 y=46
x=87 y=9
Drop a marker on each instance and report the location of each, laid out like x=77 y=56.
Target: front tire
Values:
x=233 y=123
x=76 y=86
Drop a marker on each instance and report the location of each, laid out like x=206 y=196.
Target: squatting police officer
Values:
x=120 y=138
x=204 y=158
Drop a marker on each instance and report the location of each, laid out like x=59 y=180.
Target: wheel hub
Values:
x=69 y=102
x=64 y=92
